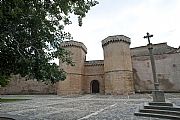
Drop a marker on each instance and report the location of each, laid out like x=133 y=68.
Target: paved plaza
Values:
x=82 y=107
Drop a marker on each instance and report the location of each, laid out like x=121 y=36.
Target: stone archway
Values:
x=94 y=86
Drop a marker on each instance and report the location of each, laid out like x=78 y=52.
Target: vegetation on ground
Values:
x=11 y=99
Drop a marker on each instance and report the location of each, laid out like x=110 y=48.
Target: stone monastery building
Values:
x=123 y=70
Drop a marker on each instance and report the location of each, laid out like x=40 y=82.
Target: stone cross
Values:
x=148 y=37
x=158 y=96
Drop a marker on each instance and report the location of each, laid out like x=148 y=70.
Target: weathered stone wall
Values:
x=119 y=82
x=118 y=74
x=19 y=85
x=94 y=70
x=73 y=84
x=167 y=68
x=117 y=65
x=121 y=72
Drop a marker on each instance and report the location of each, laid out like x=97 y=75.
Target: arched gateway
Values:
x=94 y=86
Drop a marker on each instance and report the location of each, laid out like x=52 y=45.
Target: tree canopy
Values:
x=31 y=32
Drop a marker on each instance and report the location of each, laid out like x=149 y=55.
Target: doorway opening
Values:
x=94 y=86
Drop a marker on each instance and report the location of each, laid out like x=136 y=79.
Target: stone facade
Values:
x=94 y=70
x=112 y=76
x=167 y=60
x=123 y=71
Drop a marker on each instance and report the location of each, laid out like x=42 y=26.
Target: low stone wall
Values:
x=19 y=85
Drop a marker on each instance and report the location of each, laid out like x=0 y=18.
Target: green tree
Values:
x=31 y=32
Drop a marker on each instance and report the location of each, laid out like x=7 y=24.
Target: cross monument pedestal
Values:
x=158 y=107
x=158 y=96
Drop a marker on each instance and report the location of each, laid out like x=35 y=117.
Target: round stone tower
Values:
x=73 y=84
x=117 y=65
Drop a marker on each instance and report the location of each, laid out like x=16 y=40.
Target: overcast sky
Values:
x=132 y=18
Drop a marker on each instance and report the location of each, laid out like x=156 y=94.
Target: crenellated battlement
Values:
x=116 y=38
x=74 y=44
x=94 y=63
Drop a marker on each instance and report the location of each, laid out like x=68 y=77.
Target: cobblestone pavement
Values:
x=85 y=107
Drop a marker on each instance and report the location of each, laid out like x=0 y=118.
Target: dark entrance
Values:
x=94 y=86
